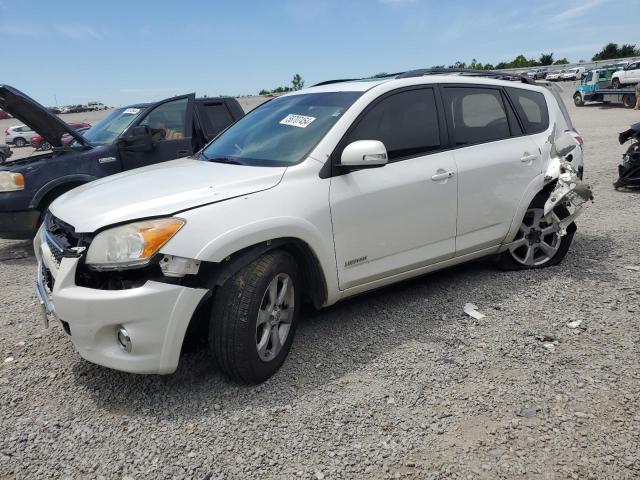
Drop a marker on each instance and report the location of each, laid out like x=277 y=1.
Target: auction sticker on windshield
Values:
x=299 y=121
x=131 y=111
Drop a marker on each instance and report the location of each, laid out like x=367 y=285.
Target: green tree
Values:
x=297 y=83
x=628 y=50
x=380 y=75
x=562 y=61
x=609 y=51
x=546 y=59
x=264 y=92
x=519 y=62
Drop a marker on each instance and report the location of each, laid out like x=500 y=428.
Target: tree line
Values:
x=610 y=51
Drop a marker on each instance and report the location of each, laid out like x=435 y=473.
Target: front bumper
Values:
x=156 y=316
x=19 y=225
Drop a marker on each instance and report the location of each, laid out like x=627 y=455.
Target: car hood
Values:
x=158 y=190
x=34 y=115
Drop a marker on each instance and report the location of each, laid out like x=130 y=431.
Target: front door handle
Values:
x=183 y=153
x=526 y=158
x=438 y=177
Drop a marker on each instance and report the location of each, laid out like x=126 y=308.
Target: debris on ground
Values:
x=574 y=324
x=635 y=268
x=471 y=310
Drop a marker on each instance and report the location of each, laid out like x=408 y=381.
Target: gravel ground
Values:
x=398 y=383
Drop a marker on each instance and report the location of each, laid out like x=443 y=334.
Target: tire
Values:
x=629 y=101
x=577 y=100
x=19 y=142
x=615 y=83
x=45 y=146
x=516 y=258
x=250 y=333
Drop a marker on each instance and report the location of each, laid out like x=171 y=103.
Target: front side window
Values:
x=280 y=132
x=532 y=109
x=406 y=122
x=168 y=121
x=477 y=115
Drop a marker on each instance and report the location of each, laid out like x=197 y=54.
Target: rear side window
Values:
x=532 y=109
x=477 y=115
x=216 y=118
x=406 y=122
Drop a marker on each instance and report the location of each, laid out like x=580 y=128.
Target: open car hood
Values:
x=34 y=115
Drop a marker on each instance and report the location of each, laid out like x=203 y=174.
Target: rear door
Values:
x=495 y=160
x=171 y=124
x=214 y=116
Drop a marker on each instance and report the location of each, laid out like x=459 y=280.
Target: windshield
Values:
x=110 y=127
x=281 y=132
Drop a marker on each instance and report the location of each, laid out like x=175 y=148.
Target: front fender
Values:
x=48 y=187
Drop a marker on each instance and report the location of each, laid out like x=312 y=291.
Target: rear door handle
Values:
x=526 y=158
x=442 y=176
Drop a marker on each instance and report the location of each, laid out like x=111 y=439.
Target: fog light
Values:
x=124 y=339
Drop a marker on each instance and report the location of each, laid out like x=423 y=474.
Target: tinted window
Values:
x=167 y=122
x=532 y=109
x=217 y=118
x=406 y=122
x=477 y=115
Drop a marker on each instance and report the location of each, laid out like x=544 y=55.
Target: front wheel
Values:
x=19 y=142
x=537 y=244
x=253 y=318
x=615 y=83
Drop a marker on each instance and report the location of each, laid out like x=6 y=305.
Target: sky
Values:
x=122 y=52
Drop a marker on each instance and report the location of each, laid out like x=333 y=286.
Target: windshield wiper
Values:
x=227 y=160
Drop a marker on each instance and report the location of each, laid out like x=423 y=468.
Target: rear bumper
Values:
x=19 y=225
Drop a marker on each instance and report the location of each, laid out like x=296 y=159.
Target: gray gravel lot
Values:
x=398 y=383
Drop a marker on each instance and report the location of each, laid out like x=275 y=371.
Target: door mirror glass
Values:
x=363 y=154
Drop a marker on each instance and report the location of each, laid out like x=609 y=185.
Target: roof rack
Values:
x=465 y=72
x=439 y=71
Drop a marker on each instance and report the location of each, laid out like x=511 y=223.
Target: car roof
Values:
x=368 y=84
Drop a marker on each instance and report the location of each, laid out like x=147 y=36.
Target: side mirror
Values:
x=138 y=139
x=364 y=154
x=565 y=144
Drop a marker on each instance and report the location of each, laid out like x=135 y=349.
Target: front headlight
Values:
x=10 y=182
x=131 y=245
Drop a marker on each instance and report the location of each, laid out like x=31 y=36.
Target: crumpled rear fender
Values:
x=569 y=192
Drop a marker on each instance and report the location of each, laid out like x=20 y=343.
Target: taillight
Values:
x=577 y=137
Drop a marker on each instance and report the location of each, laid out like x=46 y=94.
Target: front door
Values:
x=171 y=125
x=401 y=216
x=496 y=162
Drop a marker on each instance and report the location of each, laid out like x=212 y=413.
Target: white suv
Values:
x=19 y=135
x=313 y=197
x=629 y=75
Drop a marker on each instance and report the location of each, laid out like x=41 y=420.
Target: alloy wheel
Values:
x=537 y=240
x=274 y=317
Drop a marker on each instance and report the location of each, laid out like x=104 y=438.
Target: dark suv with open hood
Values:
x=128 y=137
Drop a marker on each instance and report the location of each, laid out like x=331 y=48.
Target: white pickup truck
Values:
x=630 y=75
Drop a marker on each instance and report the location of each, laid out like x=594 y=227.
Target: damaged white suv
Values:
x=312 y=197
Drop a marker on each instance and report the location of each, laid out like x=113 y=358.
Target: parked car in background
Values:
x=554 y=76
x=67 y=139
x=96 y=106
x=4 y=115
x=5 y=153
x=572 y=74
x=54 y=110
x=19 y=135
x=313 y=197
x=537 y=73
x=629 y=75
x=40 y=143
x=127 y=138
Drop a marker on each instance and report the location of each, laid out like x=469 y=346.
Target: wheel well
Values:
x=54 y=193
x=213 y=275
